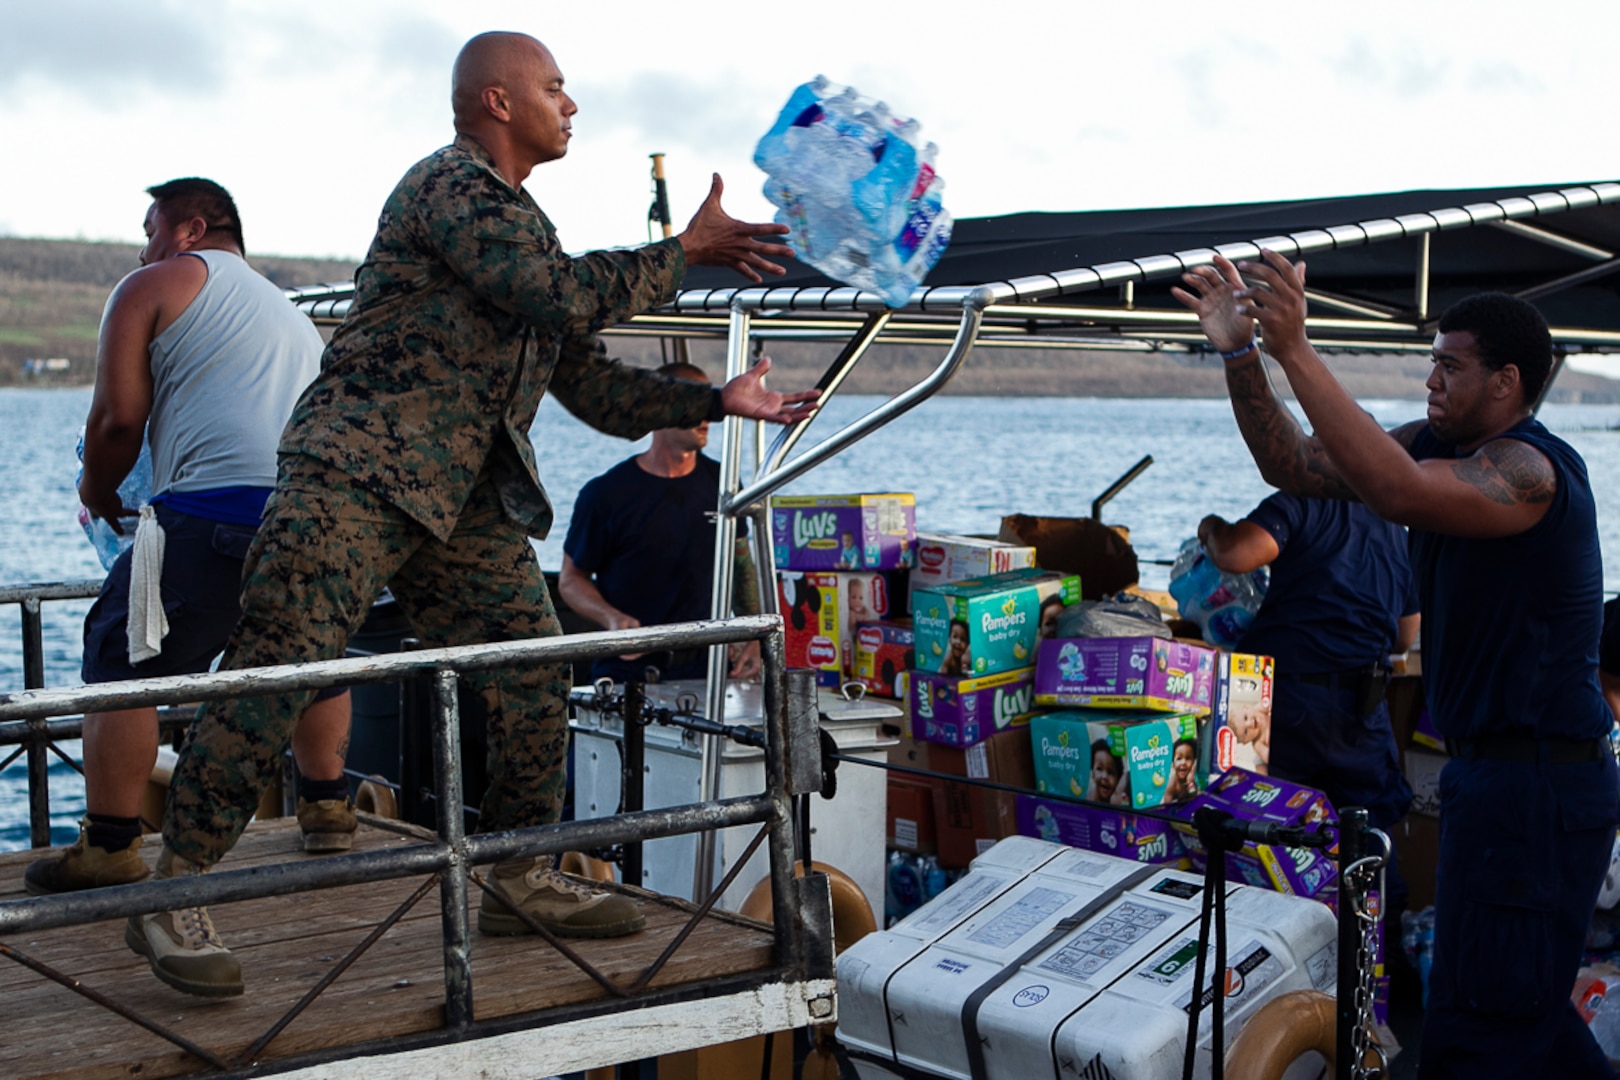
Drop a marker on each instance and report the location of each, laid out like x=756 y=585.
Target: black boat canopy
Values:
x=1382 y=267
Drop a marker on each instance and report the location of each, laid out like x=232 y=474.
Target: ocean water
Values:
x=969 y=461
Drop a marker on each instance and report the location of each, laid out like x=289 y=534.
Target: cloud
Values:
x=709 y=115
x=93 y=46
x=1397 y=68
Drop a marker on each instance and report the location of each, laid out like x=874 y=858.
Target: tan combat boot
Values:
x=560 y=904
x=328 y=825
x=182 y=946
x=85 y=866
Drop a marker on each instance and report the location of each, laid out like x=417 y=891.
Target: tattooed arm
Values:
x=1289 y=459
x=1502 y=488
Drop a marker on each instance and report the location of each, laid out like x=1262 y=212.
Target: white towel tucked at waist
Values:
x=147 y=624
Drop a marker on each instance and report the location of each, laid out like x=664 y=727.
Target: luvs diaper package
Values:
x=982 y=626
x=1096 y=828
x=1251 y=797
x=844 y=532
x=962 y=711
x=1149 y=673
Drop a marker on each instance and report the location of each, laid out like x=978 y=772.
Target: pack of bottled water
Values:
x=1223 y=605
x=857 y=187
x=134 y=491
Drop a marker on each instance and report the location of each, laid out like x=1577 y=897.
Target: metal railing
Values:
x=801 y=907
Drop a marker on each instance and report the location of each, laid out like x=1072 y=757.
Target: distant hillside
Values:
x=52 y=293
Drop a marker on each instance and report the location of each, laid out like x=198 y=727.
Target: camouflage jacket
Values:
x=465 y=312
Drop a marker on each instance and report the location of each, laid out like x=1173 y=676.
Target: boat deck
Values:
x=392 y=993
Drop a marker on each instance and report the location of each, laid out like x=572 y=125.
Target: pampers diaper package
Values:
x=1251 y=797
x=1124 y=759
x=1148 y=673
x=982 y=626
x=844 y=532
x=962 y=711
x=1095 y=828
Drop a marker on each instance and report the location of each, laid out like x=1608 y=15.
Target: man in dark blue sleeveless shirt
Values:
x=1504 y=547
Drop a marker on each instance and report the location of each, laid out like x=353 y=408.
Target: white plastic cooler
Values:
x=1111 y=996
x=846 y=831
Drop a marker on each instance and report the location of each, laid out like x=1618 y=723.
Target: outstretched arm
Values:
x=1288 y=458
x=715 y=238
x=1501 y=489
x=123 y=395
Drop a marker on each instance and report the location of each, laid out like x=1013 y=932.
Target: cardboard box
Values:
x=968 y=821
x=844 y=532
x=909 y=819
x=811 y=635
x=1239 y=730
x=1147 y=673
x=1003 y=758
x=1122 y=759
x=863 y=598
x=1102 y=829
x=963 y=711
x=1252 y=797
x=943 y=558
x=883 y=653
x=982 y=626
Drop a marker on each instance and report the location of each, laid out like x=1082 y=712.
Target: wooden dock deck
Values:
x=393 y=995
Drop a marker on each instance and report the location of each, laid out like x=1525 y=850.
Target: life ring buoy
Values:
x=579 y=865
x=374 y=796
x=1283 y=1030
x=851 y=914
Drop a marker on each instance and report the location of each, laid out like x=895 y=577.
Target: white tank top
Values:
x=225 y=377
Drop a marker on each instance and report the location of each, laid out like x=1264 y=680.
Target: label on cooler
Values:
x=1250 y=969
x=1023 y=915
x=961 y=900
x=1105 y=940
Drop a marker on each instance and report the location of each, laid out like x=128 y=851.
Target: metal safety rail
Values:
x=801 y=906
x=37 y=736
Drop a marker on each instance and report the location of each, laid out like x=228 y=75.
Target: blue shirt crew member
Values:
x=640 y=550
x=1341 y=600
x=1504 y=548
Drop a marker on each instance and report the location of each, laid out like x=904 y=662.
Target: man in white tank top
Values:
x=206 y=356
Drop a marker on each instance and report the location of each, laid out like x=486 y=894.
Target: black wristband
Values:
x=717 y=406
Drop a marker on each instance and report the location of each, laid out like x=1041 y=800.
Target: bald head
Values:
x=495 y=60
x=508 y=96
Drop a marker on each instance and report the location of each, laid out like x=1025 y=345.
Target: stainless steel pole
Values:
x=725 y=542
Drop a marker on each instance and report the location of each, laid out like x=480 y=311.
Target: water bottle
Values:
x=135 y=491
x=857 y=187
x=1223 y=605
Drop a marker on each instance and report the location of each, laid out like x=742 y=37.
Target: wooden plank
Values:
x=286 y=944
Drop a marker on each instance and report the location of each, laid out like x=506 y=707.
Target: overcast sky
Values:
x=309 y=112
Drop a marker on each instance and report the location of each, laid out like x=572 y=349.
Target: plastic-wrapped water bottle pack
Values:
x=1223 y=605
x=134 y=491
x=857 y=187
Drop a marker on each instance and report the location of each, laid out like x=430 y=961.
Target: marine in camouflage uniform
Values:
x=407 y=464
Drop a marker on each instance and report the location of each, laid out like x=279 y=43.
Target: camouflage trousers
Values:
x=323 y=554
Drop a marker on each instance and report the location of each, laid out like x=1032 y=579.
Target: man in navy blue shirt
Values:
x=640 y=550
x=1504 y=547
x=1341 y=600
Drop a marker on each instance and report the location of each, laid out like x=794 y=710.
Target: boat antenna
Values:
x=659 y=211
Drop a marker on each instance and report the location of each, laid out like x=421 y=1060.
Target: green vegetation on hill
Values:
x=52 y=293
